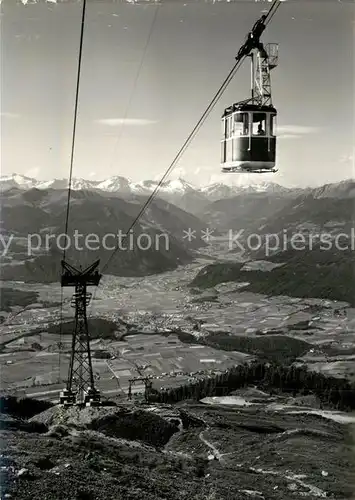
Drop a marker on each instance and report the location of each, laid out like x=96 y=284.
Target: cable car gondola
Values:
x=249 y=127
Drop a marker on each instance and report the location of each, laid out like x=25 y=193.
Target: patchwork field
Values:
x=150 y=314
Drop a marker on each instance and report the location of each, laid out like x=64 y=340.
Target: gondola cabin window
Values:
x=241 y=124
x=272 y=125
x=223 y=129
x=259 y=124
x=263 y=124
x=229 y=127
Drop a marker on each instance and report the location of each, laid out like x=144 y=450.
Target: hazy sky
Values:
x=160 y=93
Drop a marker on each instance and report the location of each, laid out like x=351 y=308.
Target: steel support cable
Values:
x=276 y=4
x=194 y=131
x=71 y=166
x=240 y=58
x=178 y=155
x=135 y=82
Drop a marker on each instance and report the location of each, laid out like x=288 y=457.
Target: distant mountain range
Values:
x=177 y=191
x=219 y=190
x=309 y=234
x=273 y=211
x=181 y=193
x=30 y=206
x=121 y=185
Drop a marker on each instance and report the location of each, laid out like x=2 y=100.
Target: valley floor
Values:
x=161 y=304
x=157 y=308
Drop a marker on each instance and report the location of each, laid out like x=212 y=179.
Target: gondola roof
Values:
x=243 y=106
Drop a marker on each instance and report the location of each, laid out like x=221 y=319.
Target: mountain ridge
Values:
x=213 y=191
x=122 y=184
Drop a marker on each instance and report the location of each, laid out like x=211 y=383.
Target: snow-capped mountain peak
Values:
x=178 y=186
x=17 y=180
x=76 y=184
x=175 y=186
x=112 y=184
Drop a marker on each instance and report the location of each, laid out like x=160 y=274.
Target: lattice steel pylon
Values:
x=148 y=387
x=264 y=59
x=80 y=388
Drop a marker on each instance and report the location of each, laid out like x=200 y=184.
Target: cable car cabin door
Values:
x=249 y=140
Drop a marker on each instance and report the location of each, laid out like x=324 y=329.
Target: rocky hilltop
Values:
x=188 y=451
